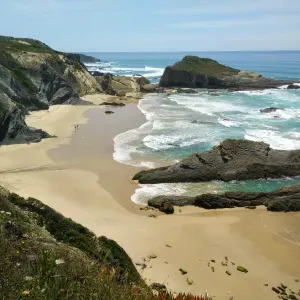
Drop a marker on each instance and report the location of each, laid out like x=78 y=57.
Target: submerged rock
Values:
x=293 y=87
x=196 y=72
x=270 y=109
x=231 y=160
x=186 y=91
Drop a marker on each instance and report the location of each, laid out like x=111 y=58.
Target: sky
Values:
x=155 y=25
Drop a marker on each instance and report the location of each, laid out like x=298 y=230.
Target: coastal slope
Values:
x=196 y=72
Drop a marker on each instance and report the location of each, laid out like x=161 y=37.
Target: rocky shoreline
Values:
x=286 y=199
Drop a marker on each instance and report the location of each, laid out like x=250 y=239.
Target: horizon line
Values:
x=191 y=51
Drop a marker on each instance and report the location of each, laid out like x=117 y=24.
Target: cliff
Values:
x=32 y=77
x=196 y=72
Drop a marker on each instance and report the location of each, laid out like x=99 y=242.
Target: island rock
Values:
x=196 y=72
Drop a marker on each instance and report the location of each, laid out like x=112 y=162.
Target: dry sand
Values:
x=76 y=175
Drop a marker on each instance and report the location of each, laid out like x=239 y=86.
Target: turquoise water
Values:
x=179 y=125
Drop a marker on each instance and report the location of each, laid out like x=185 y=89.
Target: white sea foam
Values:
x=275 y=139
x=284 y=87
x=126 y=144
x=228 y=123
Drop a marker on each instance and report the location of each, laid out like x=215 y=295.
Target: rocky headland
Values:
x=231 y=160
x=196 y=72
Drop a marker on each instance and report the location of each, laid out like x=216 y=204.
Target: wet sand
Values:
x=76 y=175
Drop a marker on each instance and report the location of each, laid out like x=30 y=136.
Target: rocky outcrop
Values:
x=231 y=160
x=122 y=85
x=284 y=199
x=88 y=59
x=196 y=72
x=32 y=77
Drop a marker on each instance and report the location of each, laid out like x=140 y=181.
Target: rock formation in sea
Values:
x=32 y=77
x=231 y=160
x=285 y=199
x=196 y=72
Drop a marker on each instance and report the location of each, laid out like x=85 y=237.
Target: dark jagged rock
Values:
x=270 y=109
x=196 y=72
x=231 y=160
x=109 y=112
x=113 y=103
x=285 y=199
x=97 y=73
x=293 y=87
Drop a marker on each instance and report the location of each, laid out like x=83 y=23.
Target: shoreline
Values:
x=76 y=175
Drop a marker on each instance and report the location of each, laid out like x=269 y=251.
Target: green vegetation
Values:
x=45 y=256
x=206 y=66
x=21 y=44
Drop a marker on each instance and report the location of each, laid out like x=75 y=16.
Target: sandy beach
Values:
x=76 y=175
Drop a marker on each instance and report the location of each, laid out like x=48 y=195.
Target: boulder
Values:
x=163 y=205
x=231 y=160
x=270 y=109
x=196 y=72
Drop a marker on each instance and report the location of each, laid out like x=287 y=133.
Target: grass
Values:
x=45 y=256
x=209 y=67
x=21 y=44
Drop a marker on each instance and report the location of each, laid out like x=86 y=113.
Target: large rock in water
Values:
x=196 y=72
x=231 y=160
x=283 y=199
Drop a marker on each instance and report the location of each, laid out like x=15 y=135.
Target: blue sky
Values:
x=155 y=25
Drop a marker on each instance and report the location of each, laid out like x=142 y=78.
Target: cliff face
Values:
x=32 y=77
x=196 y=72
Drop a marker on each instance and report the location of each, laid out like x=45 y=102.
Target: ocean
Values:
x=179 y=125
